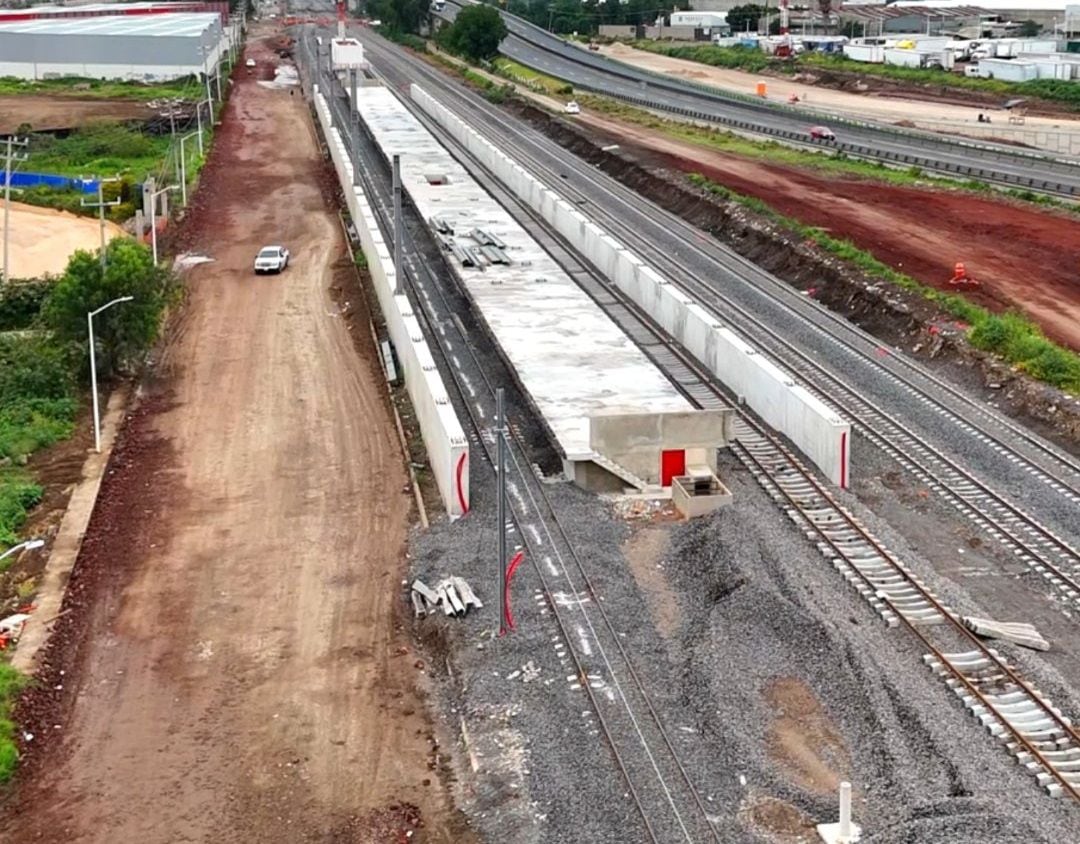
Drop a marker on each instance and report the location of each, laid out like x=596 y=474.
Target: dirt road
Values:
x=242 y=677
x=47 y=113
x=1025 y=258
x=958 y=118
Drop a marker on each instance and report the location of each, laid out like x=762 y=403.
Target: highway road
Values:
x=996 y=164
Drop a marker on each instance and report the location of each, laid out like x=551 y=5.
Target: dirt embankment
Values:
x=47 y=113
x=898 y=318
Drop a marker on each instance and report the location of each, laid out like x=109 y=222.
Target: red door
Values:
x=672 y=463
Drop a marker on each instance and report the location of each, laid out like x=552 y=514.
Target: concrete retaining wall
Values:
x=816 y=429
x=444 y=439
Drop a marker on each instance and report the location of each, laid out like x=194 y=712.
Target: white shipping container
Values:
x=904 y=58
x=699 y=20
x=873 y=53
x=1009 y=71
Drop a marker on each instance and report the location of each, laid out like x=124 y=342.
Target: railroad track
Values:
x=1046 y=553
x=664 y=795
x=1027 y=723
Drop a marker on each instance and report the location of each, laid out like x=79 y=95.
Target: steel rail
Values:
x=1065 y=581
x=747 y=457
x=561 y=532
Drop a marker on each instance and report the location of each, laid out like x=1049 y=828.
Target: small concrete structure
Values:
x=347 y=54
x=652 y=448
x=699 y=492
x=843 y=832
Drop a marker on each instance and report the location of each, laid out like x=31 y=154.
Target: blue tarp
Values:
x=31 y=180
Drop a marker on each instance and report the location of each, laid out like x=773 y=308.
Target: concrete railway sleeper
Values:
x=666 y=799
x=1031 y=728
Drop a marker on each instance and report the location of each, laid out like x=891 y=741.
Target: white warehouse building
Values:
x=145 y=48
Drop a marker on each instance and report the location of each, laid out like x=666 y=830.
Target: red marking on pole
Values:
x=508 y=616
x=843 y=460
x=460 y=488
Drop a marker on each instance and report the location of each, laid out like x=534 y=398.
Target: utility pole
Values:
x=500 y=462
x=10 y=156
x=398 y=269
x=183 y=168
x=101 y=205
x=198 y=119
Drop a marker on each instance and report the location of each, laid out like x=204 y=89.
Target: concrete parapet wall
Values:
x=444 y=439
x=817 y=430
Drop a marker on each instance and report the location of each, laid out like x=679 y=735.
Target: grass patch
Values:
x=1011 y=336
x=774 y=152
x=75 y=86
x=540 y=82
x=360 y=259
x=105 y=148
x=11 y=683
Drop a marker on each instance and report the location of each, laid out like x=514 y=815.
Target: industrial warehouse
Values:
x=150 y=47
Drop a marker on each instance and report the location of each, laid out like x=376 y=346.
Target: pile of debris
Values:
x=455 y=595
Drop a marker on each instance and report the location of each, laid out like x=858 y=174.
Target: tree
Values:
x=475 y=33
x=398 y=16
x=1029 y=29
x=743 y=18
x=125 y=332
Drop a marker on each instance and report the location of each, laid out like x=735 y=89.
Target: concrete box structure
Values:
x=142 y=48
x=816 y=429
x=698 y=493
x=444 y=438
x=347 y=54
x=638 y=440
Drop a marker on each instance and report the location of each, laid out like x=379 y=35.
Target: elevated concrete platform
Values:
x=574 y=362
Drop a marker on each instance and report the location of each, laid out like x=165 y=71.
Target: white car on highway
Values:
x=271 y=259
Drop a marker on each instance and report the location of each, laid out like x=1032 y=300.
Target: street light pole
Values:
x=93 y=366
x=9 y=157
x=153 y=218
x=101 y=205
x=183 y=167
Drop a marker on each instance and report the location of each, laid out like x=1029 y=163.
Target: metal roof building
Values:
x=93 y=10
x=144 y=47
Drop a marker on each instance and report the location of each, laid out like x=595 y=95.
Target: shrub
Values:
x=21 y=301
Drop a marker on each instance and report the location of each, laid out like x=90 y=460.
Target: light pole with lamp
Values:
x=153 y=217
x=93 y=366
x=28 y=545
x=183 y=165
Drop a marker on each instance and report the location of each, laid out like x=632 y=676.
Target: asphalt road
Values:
x=539 y=49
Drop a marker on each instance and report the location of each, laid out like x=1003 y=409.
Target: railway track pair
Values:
x=658 y=784
x=1030 y=726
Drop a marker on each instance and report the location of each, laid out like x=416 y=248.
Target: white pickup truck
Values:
x=271 y=259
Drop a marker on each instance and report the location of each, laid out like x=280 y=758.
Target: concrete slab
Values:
x=569 y=356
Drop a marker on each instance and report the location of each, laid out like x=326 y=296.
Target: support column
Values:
x=398 y=227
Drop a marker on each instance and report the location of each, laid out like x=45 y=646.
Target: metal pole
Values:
x=217 y=73
x=93 y=383
x=7 y=206
x=500 y=460
x=198 y=117
x=183 y=175
x=356 y=159
x=353 y=73
x=101 y=219
x=153 y=225
x=398 y=228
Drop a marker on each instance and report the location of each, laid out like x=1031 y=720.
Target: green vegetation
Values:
x=1011 y=336
x=773 y=152
x=104 y=148
x=73 y=86
x=11 y=683
x=43 y=355
x=475 y=33
x=530 y=78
